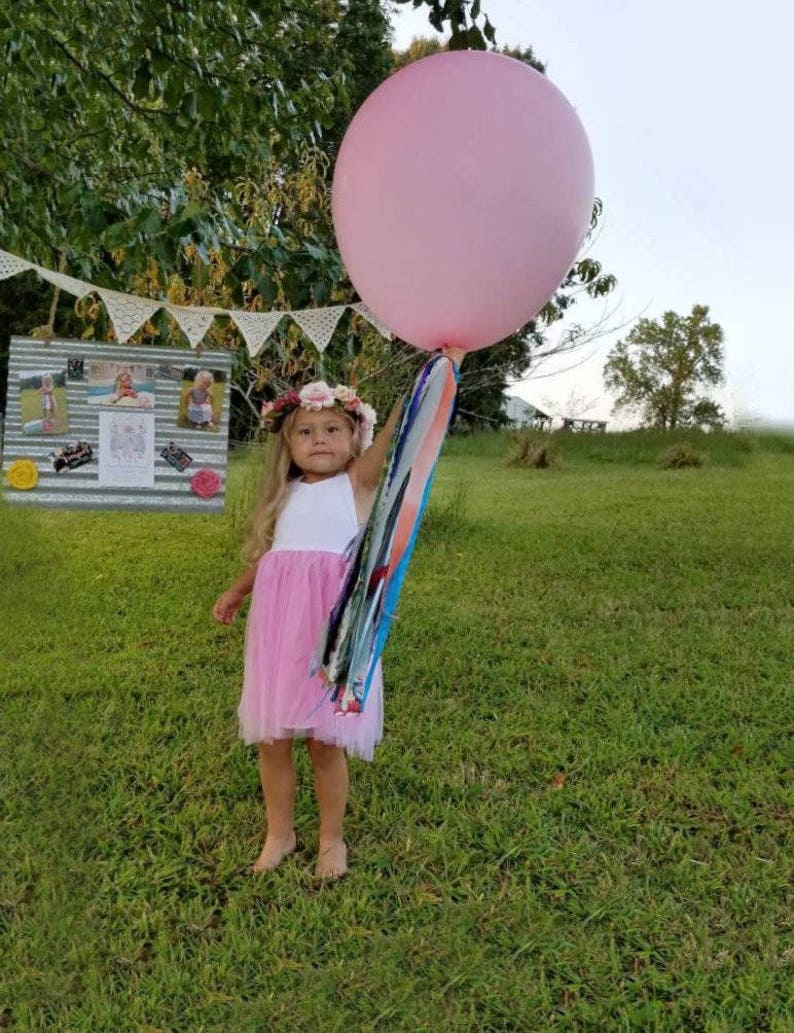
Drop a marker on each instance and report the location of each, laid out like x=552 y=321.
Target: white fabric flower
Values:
x=368 y=419
x=343 y=394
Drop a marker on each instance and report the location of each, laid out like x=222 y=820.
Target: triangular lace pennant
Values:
x=255 y=327
x=362 y=310
x=10 y=265
x=65 y=283
x=194 y=321
x=319 y=323
x=127 y=312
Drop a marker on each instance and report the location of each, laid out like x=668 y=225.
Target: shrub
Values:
x=533 y=448
x=679 y=456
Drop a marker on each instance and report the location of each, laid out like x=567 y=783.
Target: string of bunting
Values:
x=128 y=312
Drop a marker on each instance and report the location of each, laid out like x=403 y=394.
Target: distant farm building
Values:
x=521 y=414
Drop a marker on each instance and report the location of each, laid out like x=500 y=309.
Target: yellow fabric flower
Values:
x=23 y=474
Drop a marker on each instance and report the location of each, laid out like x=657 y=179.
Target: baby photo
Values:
x=42 y=398
x=120 y=385
x=201 y=400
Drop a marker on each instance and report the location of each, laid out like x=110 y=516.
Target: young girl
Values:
x=199 y=401
x=47 y=396
x=124 y=386
x=319 y=491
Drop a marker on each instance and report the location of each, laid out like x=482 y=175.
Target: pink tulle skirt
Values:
x=294 y=591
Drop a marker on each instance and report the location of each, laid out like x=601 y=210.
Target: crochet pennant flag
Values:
x=127 y=312
x=195 y=322
x=256 y=327
x=319 y=323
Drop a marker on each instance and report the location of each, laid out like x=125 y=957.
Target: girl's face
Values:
x=320 y=443
x=205 y=382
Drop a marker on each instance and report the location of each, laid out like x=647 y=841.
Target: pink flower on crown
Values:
x=316 y=396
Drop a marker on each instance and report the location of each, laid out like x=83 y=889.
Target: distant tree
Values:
x=661 y=366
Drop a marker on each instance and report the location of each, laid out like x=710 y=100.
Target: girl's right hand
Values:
x=226 y=606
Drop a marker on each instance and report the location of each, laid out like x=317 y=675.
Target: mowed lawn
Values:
x=580 y=817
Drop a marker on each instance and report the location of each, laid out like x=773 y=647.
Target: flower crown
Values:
x=317 y=396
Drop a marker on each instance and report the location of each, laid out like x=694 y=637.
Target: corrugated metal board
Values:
x=79 y=487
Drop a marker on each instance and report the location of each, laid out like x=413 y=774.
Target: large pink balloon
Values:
x=461 y=194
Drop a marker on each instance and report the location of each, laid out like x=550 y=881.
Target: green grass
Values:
x=580 y=818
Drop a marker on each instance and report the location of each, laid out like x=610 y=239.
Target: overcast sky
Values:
x=687 y=106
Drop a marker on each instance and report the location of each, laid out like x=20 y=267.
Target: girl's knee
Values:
x=279 y=748
x=325 y=754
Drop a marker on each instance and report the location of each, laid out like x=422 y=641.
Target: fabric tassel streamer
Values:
x=360 y=621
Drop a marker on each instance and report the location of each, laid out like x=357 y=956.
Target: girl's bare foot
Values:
x=332 y=860
x=273 y=853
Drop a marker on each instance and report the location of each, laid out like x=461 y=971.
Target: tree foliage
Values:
x=97 y=142
x=661 y=366
x=190 y=160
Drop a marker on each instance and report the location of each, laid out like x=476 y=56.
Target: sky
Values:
x=687 y=107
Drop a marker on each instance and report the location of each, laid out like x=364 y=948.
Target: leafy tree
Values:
x=191 y=161
x=660 y=367
x=98 y=144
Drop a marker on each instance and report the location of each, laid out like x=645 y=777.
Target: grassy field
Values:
x=580 y=818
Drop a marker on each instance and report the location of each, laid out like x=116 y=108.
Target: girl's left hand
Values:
x=456 y=354
x=226 y=606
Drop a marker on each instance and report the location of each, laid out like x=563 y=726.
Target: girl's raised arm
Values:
x=367 y=468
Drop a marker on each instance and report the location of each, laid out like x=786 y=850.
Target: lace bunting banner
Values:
x=128 y=312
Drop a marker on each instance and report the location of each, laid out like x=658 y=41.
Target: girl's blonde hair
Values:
x=280 y=470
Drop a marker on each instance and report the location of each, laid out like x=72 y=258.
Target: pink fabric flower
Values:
x=205 y=483
x=316 y=396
